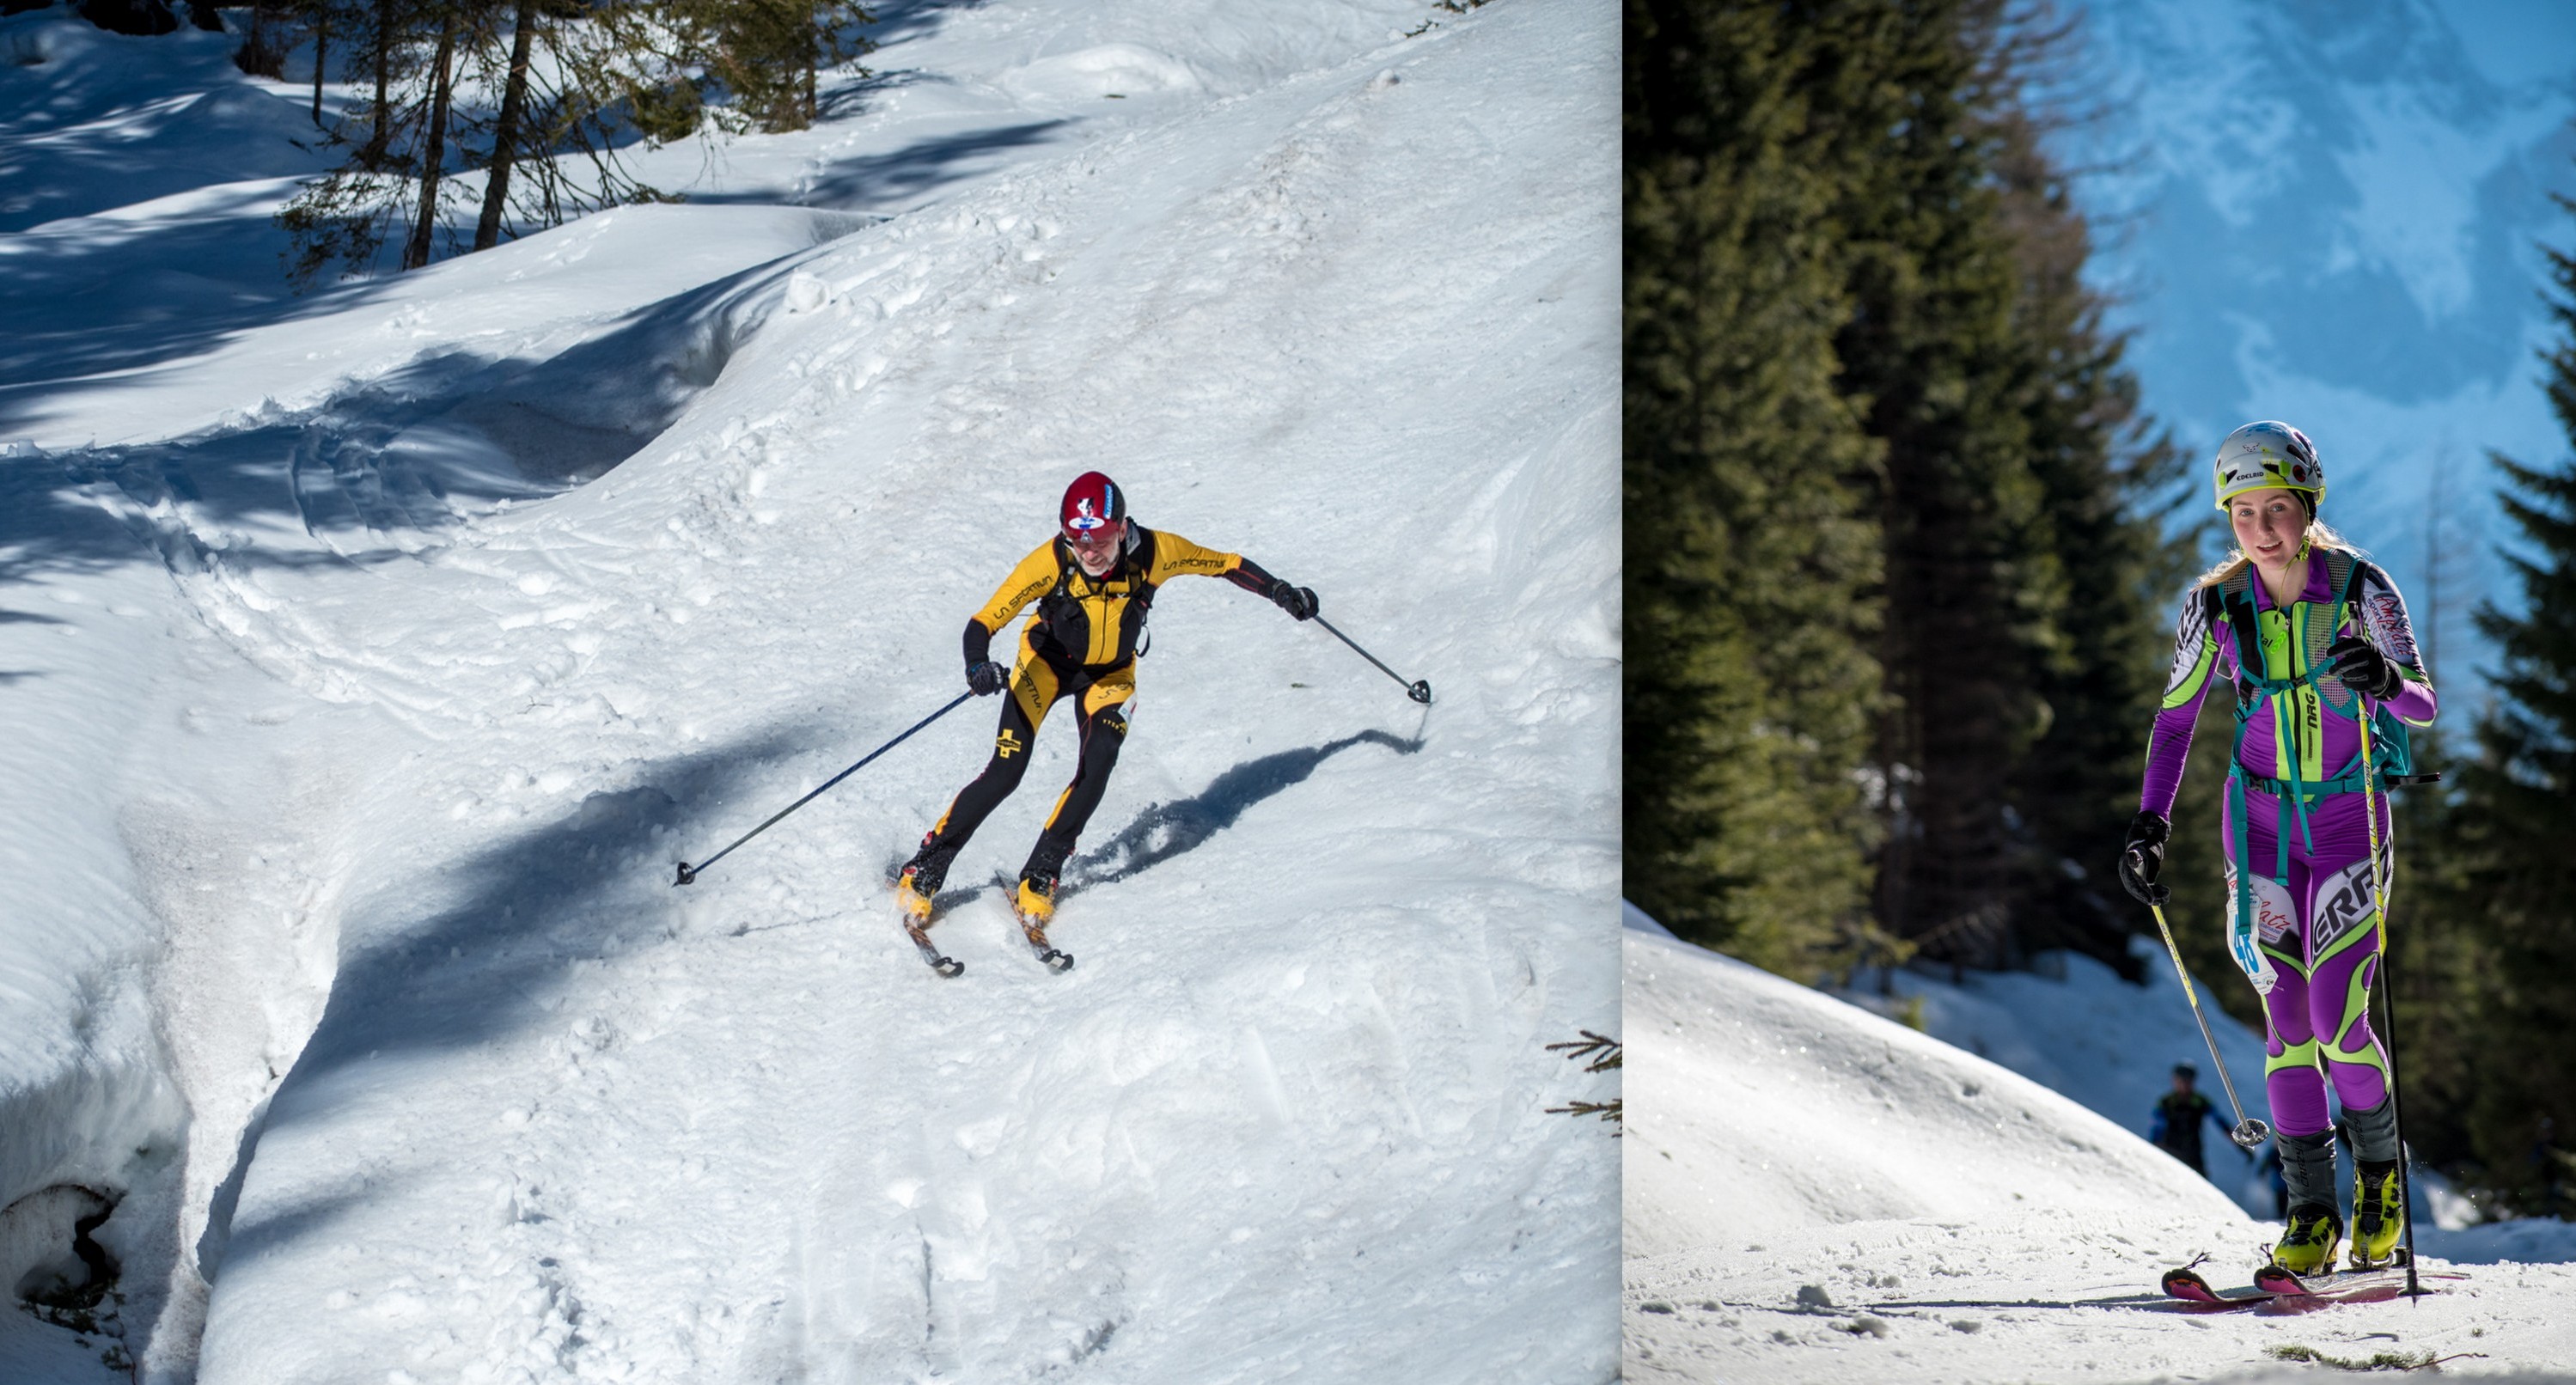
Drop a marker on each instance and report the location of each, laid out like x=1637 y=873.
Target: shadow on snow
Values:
x=1165 y=830
x=416 y=450
x=485 y=959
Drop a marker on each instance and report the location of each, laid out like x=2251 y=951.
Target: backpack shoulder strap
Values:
x=2344 y=569
x=2234 y=599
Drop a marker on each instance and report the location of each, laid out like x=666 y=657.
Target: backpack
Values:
x=2386 y=759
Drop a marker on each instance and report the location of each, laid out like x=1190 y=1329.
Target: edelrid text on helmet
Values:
x=2260 y=456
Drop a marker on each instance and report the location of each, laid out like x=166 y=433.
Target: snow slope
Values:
x=1813 y=1193
x=2079 y=1030
x=381 y=658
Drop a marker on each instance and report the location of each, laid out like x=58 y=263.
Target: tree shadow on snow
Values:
x=1165 y=830
x=870 y=181
x=416 y=450
x=117 y=299
x=486 y=960
x=101 y=295
x=898 y=20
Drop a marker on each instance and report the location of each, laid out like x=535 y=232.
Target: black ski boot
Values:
x=922 y=876
x=2314 y=1231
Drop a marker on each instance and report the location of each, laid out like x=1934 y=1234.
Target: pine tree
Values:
x=752 y=64
x=1851 y=265
x=2101 y=474
x=1932 y=348
x=1749 y=686
x=433 y=140
x=538 y=95
x=509 y=124
x=2518 y=821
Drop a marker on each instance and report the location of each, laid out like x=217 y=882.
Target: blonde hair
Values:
x=2320 y=535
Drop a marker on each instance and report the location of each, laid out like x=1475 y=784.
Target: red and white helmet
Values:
x=1092 y=503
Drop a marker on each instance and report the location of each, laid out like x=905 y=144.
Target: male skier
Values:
x=1093 y=584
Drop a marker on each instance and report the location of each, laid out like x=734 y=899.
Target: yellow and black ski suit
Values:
x=1081 y=642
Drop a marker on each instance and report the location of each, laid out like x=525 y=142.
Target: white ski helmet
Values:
x=2262 y=455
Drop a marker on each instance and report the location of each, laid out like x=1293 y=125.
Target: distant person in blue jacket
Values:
x=2175 y=1128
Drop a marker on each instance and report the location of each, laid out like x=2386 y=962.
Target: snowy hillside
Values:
x=2077 y=1029
x=373 y=656
x=1813 y=1193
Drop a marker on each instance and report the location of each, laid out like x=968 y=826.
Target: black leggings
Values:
x=1101 y=698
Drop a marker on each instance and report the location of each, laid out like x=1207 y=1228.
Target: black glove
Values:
x=987 y=678
x=1296 y=601
x=2364 y=669
x=2143 y=857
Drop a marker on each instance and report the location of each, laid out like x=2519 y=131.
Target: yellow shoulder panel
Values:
x=1175 y=556
x=1033 y=578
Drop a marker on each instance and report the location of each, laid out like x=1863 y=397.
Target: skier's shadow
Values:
x=1165 y=830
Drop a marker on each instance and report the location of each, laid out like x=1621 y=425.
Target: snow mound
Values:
x=1758 y=1106
x=2073 y=1026
x=1814 y=1193
x=1112 y=69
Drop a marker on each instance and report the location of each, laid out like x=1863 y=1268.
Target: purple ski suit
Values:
x=2315 y=936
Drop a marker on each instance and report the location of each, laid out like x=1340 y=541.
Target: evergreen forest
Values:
x=1903 y=557
x=1898 y=591
x=520 y=112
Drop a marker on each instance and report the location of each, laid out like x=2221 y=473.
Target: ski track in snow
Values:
x=426 y=631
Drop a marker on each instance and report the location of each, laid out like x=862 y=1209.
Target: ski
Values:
x=1036 y=932
x=942 y=964
x=2281 y=1283
x=2185 y=1283
x=917 y=926
x=1034 y=929
x=2272 y=1282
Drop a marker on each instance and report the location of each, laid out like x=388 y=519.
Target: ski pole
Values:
x=2248 y=1132
x=2397 y=1113
x=689 y=873
x=1418 y=690
x=2387 y=1004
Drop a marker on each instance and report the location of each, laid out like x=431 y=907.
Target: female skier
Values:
x=2317 y=645
x=1093 y=584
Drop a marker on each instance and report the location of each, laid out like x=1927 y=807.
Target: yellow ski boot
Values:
x=2378 y=1213
x=909 y=898
x=914 y=892
x=2309 y=1240
x=1035 y=905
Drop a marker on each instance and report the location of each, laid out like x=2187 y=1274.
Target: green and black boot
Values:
x=2314 y=1232
x=2379 y=1184
x=2309 y=1240
x=2378 y=1212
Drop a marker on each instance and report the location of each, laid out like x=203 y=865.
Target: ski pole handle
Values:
x=689 y=873
x=1419 y=690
